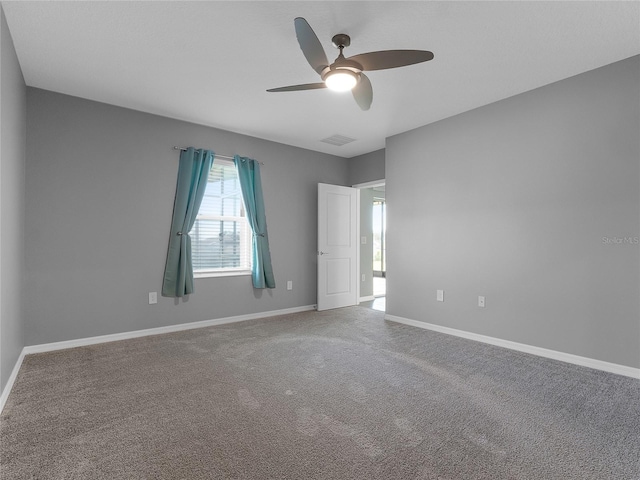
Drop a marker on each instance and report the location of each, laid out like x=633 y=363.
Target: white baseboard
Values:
x=521 y=347
x=368 y=298
x=82 y=342
x=11 y=380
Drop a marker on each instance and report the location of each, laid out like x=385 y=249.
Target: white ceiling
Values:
x=211 y=62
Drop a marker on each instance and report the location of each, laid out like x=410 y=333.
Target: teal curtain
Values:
x=251 y=186
x=193 y=173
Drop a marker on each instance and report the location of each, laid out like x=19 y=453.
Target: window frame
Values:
x=246 y=239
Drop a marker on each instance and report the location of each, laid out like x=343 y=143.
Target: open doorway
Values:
x=373 y=262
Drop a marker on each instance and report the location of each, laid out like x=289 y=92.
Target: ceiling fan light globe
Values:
x=341 y=81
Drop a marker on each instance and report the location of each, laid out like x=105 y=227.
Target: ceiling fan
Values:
x=347 y=73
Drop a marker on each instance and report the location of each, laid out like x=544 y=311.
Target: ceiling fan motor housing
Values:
x=342 y=63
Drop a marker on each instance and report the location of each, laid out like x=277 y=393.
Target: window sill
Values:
x=227 y=273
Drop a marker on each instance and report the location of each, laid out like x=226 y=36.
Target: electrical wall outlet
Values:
x=153 y=298
x=480 y=301
x=440 y=295
x=289 y=284
x=363 y=240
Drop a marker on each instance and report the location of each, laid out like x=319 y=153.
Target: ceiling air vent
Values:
x=338 y=140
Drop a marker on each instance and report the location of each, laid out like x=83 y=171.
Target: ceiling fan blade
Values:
x=391 y=59
x=295 y=88
x=363 y=92
x=310 y=45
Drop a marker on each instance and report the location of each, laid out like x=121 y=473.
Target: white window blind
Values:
x=221 y=236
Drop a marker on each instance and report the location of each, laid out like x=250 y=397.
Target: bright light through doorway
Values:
x=379 y=247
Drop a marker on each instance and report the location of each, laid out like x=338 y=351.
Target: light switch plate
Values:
x=153 y=298
x=440 y=295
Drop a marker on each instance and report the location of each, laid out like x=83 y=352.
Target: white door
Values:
x=338 y=264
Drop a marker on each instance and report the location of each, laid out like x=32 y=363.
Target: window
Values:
x=221 y=236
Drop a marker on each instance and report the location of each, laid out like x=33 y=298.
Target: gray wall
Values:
x=367 y=168
x=512 y=201
x=100 y=189
x=12 y=209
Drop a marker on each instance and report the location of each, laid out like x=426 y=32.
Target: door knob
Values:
x=322 y=253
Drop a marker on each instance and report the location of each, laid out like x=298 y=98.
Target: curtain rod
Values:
x=225 y=157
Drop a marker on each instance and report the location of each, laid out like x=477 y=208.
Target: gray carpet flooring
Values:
x=341 y=394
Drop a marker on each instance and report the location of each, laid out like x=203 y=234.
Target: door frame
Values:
x=360 y=186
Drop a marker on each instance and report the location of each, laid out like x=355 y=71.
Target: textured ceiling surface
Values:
x=211 y=62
